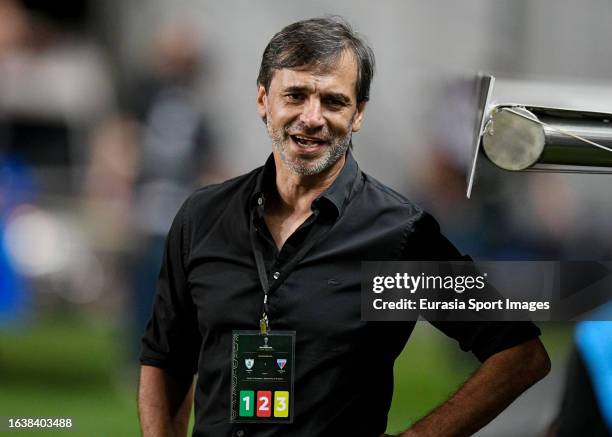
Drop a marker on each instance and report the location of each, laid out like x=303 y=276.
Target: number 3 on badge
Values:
x=264 y=399
x=281 y=404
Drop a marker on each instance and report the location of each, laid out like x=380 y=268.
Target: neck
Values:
x=297 y=192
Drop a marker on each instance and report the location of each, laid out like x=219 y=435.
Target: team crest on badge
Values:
x=248 y=362
x=281 y=362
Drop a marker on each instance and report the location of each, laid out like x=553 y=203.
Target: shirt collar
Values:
x=333 y=199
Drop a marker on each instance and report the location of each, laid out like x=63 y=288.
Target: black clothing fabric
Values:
x=209 y=286
x=580 y=412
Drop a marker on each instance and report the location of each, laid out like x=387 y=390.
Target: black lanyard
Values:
x=316 y=235
x=313 y=238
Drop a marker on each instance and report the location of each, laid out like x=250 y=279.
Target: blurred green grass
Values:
x=68 y=368
x=75 y=367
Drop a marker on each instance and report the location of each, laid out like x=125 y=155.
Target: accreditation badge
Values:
x=262 y=376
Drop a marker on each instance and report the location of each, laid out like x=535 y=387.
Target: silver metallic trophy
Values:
x=519 y=137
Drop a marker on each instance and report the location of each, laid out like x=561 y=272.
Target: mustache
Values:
x=300 y=128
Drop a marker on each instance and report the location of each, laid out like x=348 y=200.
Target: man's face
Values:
x=311 y=114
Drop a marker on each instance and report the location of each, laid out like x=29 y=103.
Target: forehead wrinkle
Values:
x=313 y=84
x=312 y=78
x=296 y=86
x=310 y=84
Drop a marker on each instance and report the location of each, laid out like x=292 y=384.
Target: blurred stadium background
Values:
x=112 y=112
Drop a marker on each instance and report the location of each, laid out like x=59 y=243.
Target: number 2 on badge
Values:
x=264 y=399
x=281 y=404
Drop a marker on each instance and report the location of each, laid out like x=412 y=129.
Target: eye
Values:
x=334 y=104
x=294 y=97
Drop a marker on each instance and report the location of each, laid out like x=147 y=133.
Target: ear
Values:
x=357 y=119
x=262 y=102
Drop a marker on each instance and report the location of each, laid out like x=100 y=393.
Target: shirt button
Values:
x=259 y=202
x=276 y=275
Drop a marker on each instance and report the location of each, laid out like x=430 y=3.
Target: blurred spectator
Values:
x=176 y=151
x=110 y=179
x=54 y=85
x=48 y=72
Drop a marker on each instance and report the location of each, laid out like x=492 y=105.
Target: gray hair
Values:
x=317 y=42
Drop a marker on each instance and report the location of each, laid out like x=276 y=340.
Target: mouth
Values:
x=306 y=142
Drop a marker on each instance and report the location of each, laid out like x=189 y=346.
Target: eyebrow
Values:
x=297 y=89
x=340 y=97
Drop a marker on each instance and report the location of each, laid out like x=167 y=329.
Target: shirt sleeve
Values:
x=172 y=339
x=482 y=338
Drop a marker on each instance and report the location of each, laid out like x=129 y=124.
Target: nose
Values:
x=311 y=116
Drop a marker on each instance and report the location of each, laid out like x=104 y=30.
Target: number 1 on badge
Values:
x=247 y=403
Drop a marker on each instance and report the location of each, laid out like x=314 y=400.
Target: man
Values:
x=295 y=231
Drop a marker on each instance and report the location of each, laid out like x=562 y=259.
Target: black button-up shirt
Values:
x=209 y=286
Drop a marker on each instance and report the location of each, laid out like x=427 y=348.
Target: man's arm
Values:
x=497 y=382
x=164 y=403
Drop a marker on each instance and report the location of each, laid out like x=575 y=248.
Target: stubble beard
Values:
x=306 y=167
